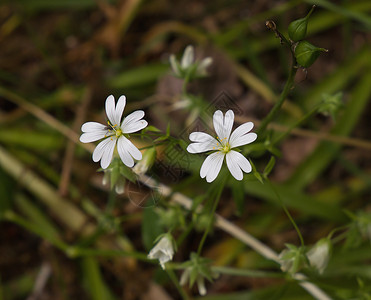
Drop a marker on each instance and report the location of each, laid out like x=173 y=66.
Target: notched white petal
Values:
x=233 y=166
x=92 y=126
x=237 y=163
x=244 y=140
x=203 y=147
x=107 y=154
x=135 y=126
x=110 y=109
x=218 y=123
x=120 y=106
x=241 y=130
x=228 y=124
x=200 y=137
x=101 y=148
x=89 y=137
x=128 y=151
x=211 y=166
x=132 y=118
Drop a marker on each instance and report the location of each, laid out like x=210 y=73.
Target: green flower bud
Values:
x=146 y=162
x=306 y=53
x=331 y=104
x=298 y=28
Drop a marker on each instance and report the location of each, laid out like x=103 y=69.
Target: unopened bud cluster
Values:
x=305 y=53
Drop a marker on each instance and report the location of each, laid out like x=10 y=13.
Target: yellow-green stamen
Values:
x=225 y=146
x=117 y=129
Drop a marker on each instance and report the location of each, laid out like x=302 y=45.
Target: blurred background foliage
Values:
x=63 y=236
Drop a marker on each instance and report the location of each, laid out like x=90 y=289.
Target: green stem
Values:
x=297 y=124
x=209 y=226
x=287 y=213
x=247 y=272
x=286 y=90
x=174 y=279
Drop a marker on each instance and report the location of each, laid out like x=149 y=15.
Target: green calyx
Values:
x=298 y=29
x=306 y=53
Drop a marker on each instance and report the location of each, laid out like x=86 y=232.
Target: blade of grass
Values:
x=94 y=282
x=346 y=12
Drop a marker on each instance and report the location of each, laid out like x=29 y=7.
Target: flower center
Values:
x=115 y=128
x=225 y=147
x=118 y=132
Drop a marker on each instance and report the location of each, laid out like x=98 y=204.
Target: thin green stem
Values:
x=286 y=90
x=247 y=272
x=297 y=124
x=287 y=213
x=209 y=226
x=174 y=279
x=184 y=234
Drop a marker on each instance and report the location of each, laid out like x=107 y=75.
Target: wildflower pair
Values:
x=116 y=131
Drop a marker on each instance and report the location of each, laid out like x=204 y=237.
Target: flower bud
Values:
x=306 y=53
x=331 y=104
x=292 y=259
x=319 y=255
x=298 y=29
x=164 y=250
x=146 y=162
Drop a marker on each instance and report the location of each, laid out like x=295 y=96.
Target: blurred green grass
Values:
x=57 y=62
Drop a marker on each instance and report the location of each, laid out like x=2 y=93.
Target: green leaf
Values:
x=151 y=227
x=269 y=167
x=238 y=193
x=151 y=128
x=94 y=282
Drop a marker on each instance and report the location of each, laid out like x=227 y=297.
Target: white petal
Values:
x=93 y=126
x=211 y=166
x=228 y=123
x=201 y=286
x=107 y=154
x=241 y=130
x=120 y=106
x=174 y=65
x=89 y=137
x=237 y=163
x=110 y=109
x=244 y=140
x=104 y=151
x=185 y=276
x=132 y=118
x=134 y=127
x=200 y=137
x=128 y=151
x=218 y=123
x=188 y=57
x=201 y=68
x=203 y=147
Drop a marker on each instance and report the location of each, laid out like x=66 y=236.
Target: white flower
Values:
x=188 y=64
x=163 y=251
x=319 y=255
x=114 y=134
x=223 y=144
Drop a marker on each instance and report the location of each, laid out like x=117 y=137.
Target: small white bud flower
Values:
x=188 y=57
x=147 y=161
x=163 y=251
x=319 y=255
x=201 y=286
x=188 y=66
